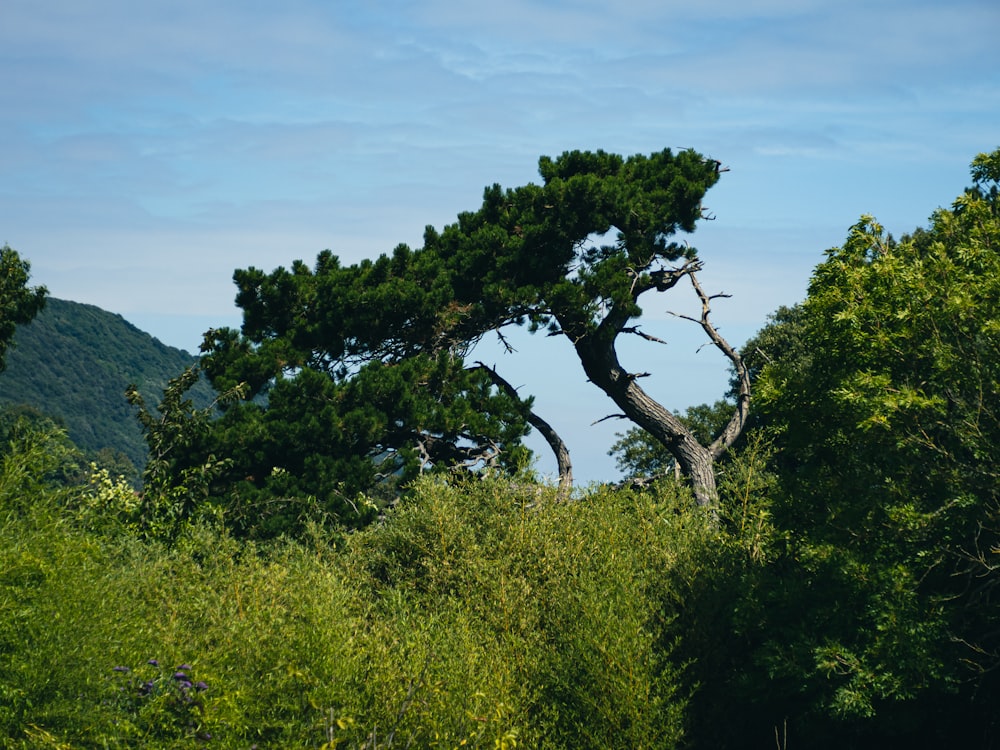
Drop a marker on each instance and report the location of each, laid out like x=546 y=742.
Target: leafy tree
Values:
x=320 y=438
x=175 y=485
x=365 y=363
x=36 y=449
x=883 y=390
x=18 y=303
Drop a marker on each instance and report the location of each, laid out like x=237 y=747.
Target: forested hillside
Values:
x=74 y=362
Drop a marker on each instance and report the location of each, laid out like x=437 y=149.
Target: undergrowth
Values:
x=482 y=614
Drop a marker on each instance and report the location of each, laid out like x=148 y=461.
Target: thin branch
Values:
x=641 y=334
x=506 y=344
x=610 y=416
x=734 y=427
x=544 y=428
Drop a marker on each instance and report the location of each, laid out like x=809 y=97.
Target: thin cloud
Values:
x=149 y=149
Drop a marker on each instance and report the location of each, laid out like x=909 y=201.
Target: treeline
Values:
x=836 y=588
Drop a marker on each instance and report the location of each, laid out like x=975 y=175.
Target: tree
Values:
x=642 y=458
x=181 y=472
x=313 y=434
x=19 y=304
x=528 y=256
x=883 y=390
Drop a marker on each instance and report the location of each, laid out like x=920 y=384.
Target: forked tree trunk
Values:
x=600 y=362
x=596 y=349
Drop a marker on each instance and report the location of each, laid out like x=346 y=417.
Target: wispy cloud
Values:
x=148 y=149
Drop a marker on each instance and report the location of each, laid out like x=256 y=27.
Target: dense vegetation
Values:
x=366 y=364
x=73 y=364
x=840 y=593
x=485 y=614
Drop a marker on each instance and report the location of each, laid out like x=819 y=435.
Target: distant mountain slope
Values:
x=74 y=362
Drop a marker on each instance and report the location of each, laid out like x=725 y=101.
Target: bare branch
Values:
x=610 y=416
x=647 y=336
x=544 y=428
x=734 y=427
x=506 y=344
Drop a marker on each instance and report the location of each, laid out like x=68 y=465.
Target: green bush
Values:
x=567 y=608
x=269 y=635
x=481 y=615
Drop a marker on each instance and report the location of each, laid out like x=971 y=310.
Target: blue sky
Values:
x=149 y=149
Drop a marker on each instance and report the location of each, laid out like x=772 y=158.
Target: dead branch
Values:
x=734 y=427
x=546 y=430
x=610 y=416
x=641 y=334
x=506 y=344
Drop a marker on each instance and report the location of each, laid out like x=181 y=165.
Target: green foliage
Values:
x=74 y=363
x=36 y=459
x=324 y=440
x=109 y=502
x=578 y=599
x=264 y=633
x=482 y=615
x=175 y=491
x=19 y=304
x=157 y=705
x=721 y=615
x=783 y=344
x=883 y=393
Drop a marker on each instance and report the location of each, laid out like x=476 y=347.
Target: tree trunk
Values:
x=600 y=362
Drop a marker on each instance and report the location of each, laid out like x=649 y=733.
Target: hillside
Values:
x=74 y=362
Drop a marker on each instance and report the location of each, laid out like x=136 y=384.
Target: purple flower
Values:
x=119 y=669
x=183 y=667
x=153 y=663
x=180 y=676
x=200 y=685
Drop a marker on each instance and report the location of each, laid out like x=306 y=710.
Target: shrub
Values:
x=482 y=614
x=564 y=610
